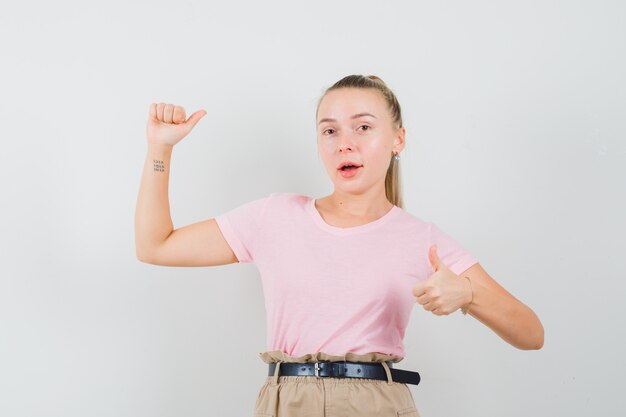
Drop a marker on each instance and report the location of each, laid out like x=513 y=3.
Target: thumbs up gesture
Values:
x=443 y=292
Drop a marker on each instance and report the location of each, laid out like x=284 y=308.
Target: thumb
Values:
x=195 y=118
x=435 y=262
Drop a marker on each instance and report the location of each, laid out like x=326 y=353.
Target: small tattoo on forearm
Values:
x=159 y=165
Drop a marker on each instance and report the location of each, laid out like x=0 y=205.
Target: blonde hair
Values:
x=393 y=189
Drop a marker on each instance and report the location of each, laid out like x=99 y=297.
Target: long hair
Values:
x=393 y=189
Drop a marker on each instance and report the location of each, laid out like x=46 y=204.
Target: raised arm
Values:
x=156 y=241
x=153 y=223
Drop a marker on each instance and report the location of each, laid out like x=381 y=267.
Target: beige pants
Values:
x=310 y=396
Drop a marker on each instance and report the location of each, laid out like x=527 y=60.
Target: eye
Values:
x=365 y=126
x=326 y=130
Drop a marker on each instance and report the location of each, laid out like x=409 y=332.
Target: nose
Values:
x=345 y=142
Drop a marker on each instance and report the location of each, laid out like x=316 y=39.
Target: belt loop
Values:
x=387 y=371
x=276 y=372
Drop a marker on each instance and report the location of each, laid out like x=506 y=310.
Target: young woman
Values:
x=340 y=273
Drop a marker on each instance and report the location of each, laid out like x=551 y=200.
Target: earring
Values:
x=396 y=157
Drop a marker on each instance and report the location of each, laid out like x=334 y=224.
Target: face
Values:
x=345 y=133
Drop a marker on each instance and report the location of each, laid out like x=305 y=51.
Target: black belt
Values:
x=345 y=369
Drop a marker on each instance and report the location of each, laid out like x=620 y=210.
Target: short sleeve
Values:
x=450 y=252
x=241 y=225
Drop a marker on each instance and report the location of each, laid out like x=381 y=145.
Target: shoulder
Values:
x=287 y=200
x=287 y=196
x=411 y=220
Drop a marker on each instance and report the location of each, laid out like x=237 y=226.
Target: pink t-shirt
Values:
x=331 y=289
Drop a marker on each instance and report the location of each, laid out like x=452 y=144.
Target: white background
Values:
x=516 y=146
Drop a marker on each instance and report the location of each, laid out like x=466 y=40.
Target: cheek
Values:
x=326 y=148
x=376 y=149
x=325 y=153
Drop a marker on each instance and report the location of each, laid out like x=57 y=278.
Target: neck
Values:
x=361 y=205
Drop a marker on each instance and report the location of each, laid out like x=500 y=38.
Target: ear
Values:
x=399 y=142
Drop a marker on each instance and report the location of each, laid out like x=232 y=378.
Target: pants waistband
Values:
x=343 y=369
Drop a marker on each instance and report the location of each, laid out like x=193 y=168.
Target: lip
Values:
x=344 y=163
x=349 y=173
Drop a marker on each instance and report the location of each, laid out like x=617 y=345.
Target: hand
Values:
x=443 y=292
x=167 y=124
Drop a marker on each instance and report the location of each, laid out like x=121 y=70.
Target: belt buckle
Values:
x=317 y=369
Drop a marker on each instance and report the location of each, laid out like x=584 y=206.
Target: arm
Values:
x=153 y=223
x=496 y=308
x=156 y=241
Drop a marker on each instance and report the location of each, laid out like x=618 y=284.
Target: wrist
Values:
x=160 y=151
x=160 y=146
x=470 y=295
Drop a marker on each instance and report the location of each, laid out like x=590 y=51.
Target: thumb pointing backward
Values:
x=195 y=118
x=435 y=262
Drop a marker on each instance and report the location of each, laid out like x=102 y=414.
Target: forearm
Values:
x=508 y=317
x=153 y=222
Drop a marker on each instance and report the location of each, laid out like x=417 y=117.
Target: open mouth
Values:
x=349 y=167
x=350 y=171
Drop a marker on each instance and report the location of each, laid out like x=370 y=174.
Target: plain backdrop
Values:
x=516 y=147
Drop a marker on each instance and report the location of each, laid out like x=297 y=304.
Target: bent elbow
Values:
x=537 y=334
x=535 y=344
x=540 y=335
x=538 y=338
x=533 y=340
x=143 y=256
x=539 y=343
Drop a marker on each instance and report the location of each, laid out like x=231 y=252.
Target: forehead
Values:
x=344 y=102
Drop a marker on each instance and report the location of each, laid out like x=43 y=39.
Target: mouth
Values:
x=348 y=165
x=349 y=168
x=348 y=171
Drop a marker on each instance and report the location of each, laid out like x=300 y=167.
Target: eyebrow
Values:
x=356 y=116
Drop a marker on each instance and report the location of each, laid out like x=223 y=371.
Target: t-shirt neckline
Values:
x=320 y=222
